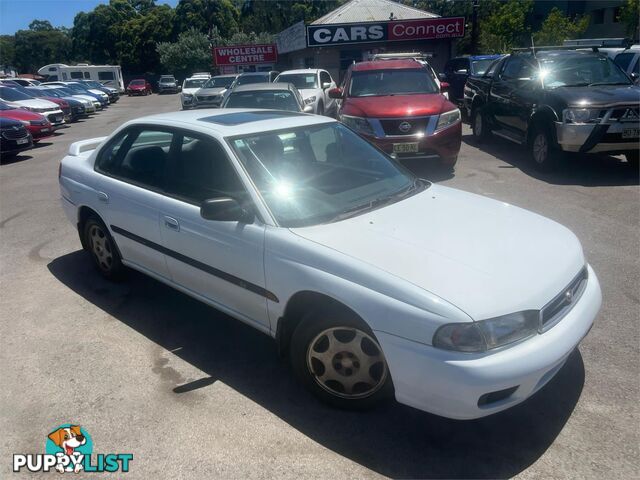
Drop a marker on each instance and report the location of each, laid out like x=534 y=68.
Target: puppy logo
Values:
x=70 y=443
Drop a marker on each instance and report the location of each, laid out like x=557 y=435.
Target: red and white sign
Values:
x=426 y=28
x=245 y=54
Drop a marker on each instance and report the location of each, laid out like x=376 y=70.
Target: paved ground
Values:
x=194 y=394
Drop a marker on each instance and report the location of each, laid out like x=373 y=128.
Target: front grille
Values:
x=630 y=113
x=553 y=311
x=55 y=117
x=15 y=133
x=404 y=126
x=206 y=98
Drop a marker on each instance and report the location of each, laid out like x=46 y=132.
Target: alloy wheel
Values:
x=540 y=148
x=101 y=248
x=347 y=362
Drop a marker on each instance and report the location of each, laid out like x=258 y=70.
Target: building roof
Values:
x=372 y=11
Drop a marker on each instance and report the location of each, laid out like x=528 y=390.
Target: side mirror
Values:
x=444 y=86
x=635 y=76
x=336 y=93
x=224 y=209
x=326 y=85
x=308 y=109
x=442 y=77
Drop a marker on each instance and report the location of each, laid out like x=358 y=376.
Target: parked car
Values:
x=37 y=125
x=313 y=85
x=139 y=86
x=458 y=69
x=112 y=93
x=212 y=92
x=17 y=99
x=396 y=105
x=26 y=82
x=14 y=137
x=90 y=103
x=556 y=101
x=7 y=82
x=255 y=77
x=168 y=83
x=62 y=104
x=365 y=275
x=273 y=96
x=78 y=89
x=189 y=87
x=629 y=61
x=78 y=107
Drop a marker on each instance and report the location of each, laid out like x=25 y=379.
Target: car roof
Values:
x=301 y=70
x=567 y=53
x=386 y=65
x=233 y=121
x=247 y=74
x=251 y=87
x=225 y=76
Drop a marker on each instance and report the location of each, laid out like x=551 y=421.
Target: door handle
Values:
x=171 y=223
x=103 y=197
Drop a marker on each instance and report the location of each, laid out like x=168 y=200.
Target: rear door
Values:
x=458 y=75
x=131 y=188
x=330 y=103
x=508 y=93
x=221 y=261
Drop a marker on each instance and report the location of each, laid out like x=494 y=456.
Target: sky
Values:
x=18 y=14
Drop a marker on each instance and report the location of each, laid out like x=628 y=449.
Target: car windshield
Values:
x=478 y=67
x=299 y=80
x=321 y=173
x=167 y=79
x=66 y=91
x=273 y=100
x=218 y=82
x=4 y=106
x=370 y=83
x=137 y=82
x=194 y=83
x=247 y=79
x=13 y=95
x=580 y=70
x=36 y=92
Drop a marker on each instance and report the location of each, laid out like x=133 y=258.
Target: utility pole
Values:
x=474 y=27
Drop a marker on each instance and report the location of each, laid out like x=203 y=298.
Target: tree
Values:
x=7 y=50
x=274 y=16
x=40 y=45
x=205 y=14
x=557 y=27
x=190 y=53
x=505 y=28
x=630 y=15
x=240 y=38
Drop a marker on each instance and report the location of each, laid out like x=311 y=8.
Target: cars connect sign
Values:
x=392 y=31
x=245 y=54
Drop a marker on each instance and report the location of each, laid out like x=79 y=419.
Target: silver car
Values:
x=211 y=94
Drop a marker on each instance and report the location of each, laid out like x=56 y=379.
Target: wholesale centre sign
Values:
x=245 y=54
x=391 y=31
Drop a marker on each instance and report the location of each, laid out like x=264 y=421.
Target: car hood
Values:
x=19 y=114
x=36 y=103
x=486 y=257
x=597 y=95
x=211 y=91
x=397 y=105
x=190 y=91
x=85 y=98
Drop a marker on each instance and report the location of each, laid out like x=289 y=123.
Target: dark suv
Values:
x=557 y=100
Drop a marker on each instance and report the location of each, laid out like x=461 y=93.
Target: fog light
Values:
x=493 y=397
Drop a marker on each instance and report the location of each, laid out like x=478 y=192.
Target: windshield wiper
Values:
x=608 y=83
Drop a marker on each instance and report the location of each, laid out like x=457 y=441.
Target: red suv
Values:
x=396 y=105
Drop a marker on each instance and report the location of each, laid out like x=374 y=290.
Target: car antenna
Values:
x=533 y=47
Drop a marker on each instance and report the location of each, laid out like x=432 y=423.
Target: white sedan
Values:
x=375 y=282
x=314 y=85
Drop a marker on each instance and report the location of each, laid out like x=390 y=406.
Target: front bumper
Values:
x=451 y=384
x=40 y=131
x=595 y=138
x=443 y=145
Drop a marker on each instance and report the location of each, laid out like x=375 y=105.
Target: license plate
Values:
x=22 y=141
x=405 y=148
x=45 y=129
x=631 y=133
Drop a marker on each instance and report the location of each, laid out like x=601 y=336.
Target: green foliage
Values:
x=205 y=14
x=190 y=53
x=630 y=15
x=7 y=50
x=274 y=16
x=240 y=38
x=557 y=27
x=40 y=45
x=505 y=28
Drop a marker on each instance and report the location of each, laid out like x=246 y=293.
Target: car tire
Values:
x=632 y=158
x=320 y=109
x=330 y=350
x=479 y=125
x=103 y=249
x=545 y=155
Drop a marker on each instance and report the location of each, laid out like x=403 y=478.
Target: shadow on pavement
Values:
x=393 y=440
x=7 y=159
x=575 y=169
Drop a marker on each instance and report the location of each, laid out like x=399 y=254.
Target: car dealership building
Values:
x=361 y=28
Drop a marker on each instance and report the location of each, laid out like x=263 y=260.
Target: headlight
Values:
x=25 y=122
x=447 y=119
x=579 y=115
x=309 y=100
x=187 y=95
x=358 y=124
x=487 y=334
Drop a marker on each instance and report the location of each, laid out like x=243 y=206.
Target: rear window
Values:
x=300 y=80
x=273 y=100
x=247 y=79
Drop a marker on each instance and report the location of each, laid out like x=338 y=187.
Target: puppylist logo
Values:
x=69 y=448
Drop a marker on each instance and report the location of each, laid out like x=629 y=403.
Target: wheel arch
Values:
x=300 y=303
x=544 y=117
x=84 y=213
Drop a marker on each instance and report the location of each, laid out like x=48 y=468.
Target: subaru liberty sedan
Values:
x=374 y=282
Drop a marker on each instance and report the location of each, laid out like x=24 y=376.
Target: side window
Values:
x=140 y=157
x=492 y=68
x=324 y=78
x=87 y=75
x=201 y=170
x=624 y=60
x=460 y=64
x=105 y=76
x=517 y=67
x=76 y=75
